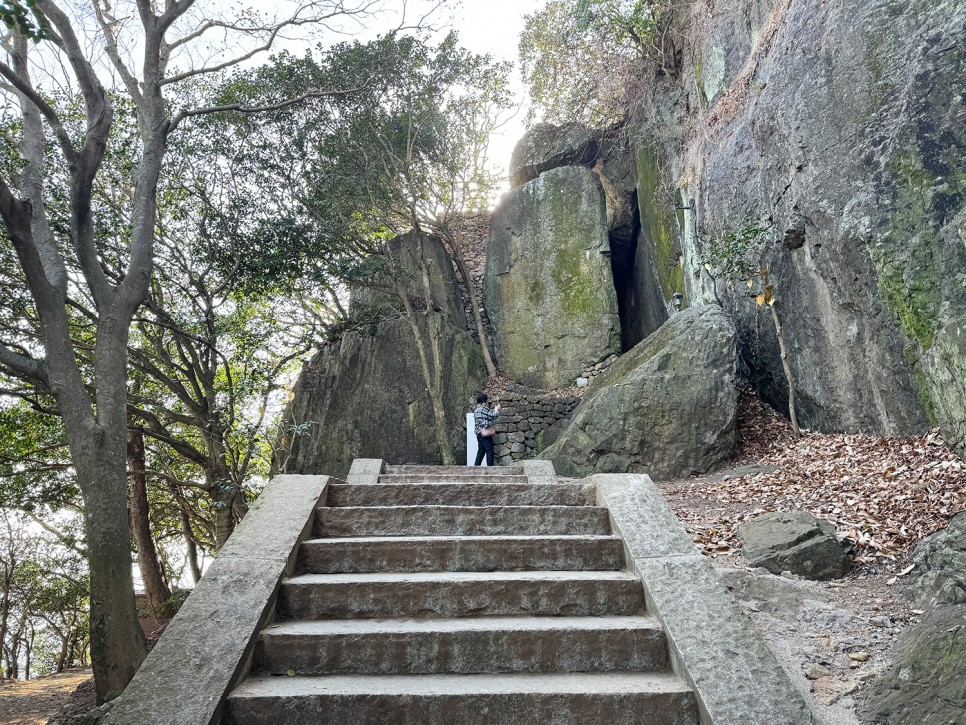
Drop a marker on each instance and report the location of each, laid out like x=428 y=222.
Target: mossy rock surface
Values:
x=666 y=408
x=365 y=396
x=927 y=683
x=549 y=288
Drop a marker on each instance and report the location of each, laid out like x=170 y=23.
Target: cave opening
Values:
x=623 y=253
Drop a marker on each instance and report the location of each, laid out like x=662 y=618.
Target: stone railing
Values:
x=207 y=648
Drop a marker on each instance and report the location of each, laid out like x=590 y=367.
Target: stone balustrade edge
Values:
x=207 y=648
x=714 y=647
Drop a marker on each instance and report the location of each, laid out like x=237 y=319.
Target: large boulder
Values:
x=549 y=289
x=927 y=683
x=666 y=408
x=545 y=147
x=939 y=576
x=421 y=264
x=364 y=395
x=795 y=541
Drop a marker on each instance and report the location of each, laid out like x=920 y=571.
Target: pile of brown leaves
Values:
x=884 y=494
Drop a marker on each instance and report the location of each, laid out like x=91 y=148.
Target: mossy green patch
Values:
x=699 y=79
x=922 y=389
x=657 y=224
x=907 y=260
x=579 y=295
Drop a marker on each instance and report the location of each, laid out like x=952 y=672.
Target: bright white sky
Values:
x=493 y=26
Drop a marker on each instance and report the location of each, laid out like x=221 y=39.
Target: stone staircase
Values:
x=461 y=595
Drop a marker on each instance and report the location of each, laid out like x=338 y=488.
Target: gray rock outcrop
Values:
x=794 y=541
x=841 y=126
x=363 y=395
x=927 y=683
x=545 y=147
x=666 y=408
x=549 y=290
x=940 y=567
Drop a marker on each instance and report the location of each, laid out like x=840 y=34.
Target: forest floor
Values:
x=884 y=494
x=34 y=702
x=832 y=638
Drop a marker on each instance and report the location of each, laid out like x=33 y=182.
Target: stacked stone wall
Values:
x=472 y=233
x=524 y=415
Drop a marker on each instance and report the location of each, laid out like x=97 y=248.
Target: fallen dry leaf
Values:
x=883 y=494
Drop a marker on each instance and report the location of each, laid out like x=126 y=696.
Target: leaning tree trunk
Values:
x=433 y=383
x=793 y=416
x=155 y=588
x=477 y=317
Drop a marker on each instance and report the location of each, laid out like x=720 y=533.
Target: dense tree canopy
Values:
x=582 y=59
x=73 y=279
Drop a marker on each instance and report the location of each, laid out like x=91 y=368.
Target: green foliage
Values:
x=581 y=60
x=738 y=254
x=44 y=598
x=345 y=173
x=35 y=470
x=25 y=17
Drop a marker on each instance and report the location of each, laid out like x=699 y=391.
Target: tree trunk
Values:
x=98 y=446
x=191 y=549
x=62 y=659
x=222 y=490
x=477 y=317
x=432 y=382
x=793 y=416
x=155 y=588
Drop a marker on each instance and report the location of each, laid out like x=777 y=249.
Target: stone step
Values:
x=460 y=494
x=451 y=478
x=467 y=646
x=434 y=471
x=460 y=520
x=613 y=698
x=460 y=553
x=460 y=594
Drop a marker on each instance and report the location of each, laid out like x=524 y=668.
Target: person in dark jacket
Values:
x=484 y=416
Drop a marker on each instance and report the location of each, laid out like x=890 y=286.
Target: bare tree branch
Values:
x=34 y=370
x=295 y=20
x=239 y=108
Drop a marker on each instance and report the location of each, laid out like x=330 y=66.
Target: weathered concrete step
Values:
x=460 y=553
x=617 y=698
x=450 y=478
x=417 y=470
x=468 y=646
x=460 y=520
x=460 y=594
x=460 y=494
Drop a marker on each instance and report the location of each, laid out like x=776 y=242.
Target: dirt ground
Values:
x=34 y=702
x=884 y=494
x=832 y=638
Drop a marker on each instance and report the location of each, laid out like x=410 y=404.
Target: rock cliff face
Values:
x=549 y=290
x=837 y=127
x=364 y=395
x=840 y=126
